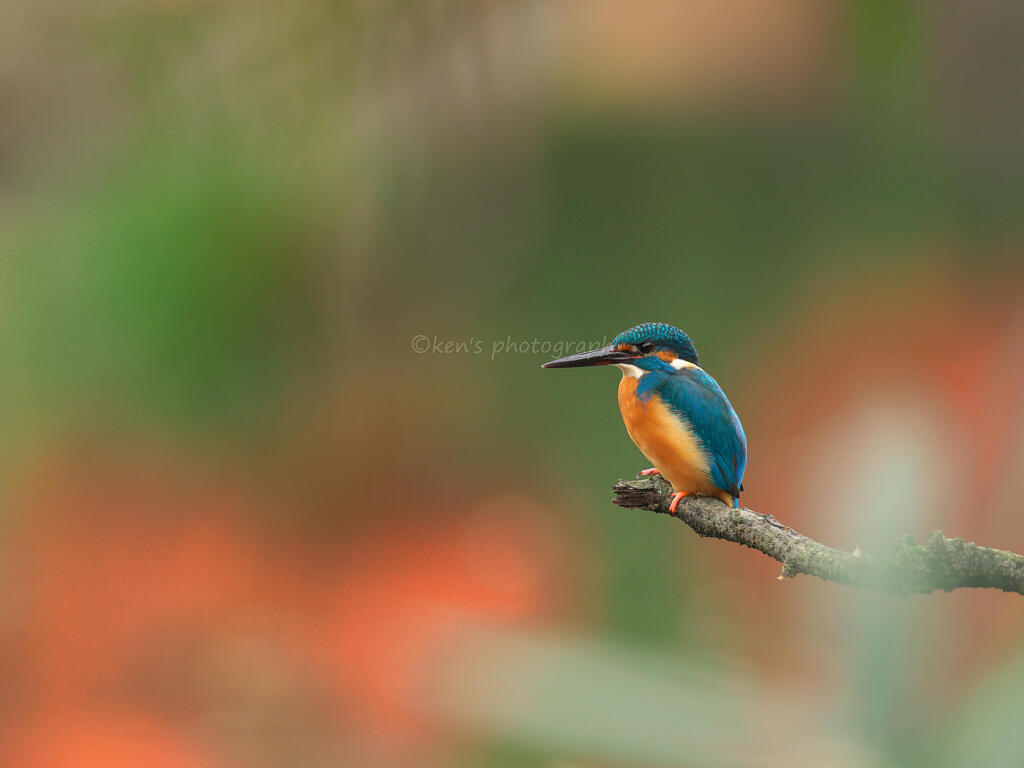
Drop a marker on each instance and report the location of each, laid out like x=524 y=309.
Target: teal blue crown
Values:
x=651 y=337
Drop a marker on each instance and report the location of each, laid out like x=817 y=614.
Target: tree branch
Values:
x=942 y=563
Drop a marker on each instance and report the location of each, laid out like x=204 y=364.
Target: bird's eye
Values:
x=646 y=347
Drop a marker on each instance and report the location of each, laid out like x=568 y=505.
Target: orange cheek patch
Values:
x=665 y=355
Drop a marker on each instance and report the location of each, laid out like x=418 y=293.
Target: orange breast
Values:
x=666 y=441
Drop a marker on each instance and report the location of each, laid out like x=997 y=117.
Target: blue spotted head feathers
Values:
x=651 y=338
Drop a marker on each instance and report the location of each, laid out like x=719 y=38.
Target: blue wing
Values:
x=696 y=397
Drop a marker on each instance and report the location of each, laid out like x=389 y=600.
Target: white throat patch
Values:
x=630 y=370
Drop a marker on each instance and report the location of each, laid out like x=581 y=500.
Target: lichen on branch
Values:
x=941 y=564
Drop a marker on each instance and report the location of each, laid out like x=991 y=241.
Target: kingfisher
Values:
x=674 y=412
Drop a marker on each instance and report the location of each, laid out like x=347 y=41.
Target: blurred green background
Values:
x=249 y=518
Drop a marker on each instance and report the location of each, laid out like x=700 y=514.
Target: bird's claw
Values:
x=675 y=501
x=645 y=472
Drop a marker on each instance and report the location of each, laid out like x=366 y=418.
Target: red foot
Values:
x=651 y=471
x=675 y=501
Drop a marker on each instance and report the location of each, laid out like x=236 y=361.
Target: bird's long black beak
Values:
x=604 y=356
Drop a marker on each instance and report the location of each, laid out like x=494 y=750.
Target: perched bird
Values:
x=677 y=415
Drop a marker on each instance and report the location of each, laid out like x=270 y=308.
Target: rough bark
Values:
x=910 y=568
